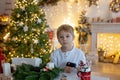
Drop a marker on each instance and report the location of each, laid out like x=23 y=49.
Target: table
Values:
x=73 y=76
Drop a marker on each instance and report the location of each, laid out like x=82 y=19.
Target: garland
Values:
x=115 y=6
x=48 y=2
x=92 y=2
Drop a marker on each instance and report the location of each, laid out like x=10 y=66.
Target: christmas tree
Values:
x=27 y=35
x=83 y=28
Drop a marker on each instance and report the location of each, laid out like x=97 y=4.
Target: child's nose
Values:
x=64 y=38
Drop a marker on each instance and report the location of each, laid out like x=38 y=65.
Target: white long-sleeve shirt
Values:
x=60 y=58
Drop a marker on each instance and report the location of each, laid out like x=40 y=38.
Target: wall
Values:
x=6 y=6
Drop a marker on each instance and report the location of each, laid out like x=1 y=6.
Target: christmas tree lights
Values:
x=28 y=37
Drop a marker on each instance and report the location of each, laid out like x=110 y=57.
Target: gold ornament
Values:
x=18 y=15
x=115 y=6
x=4 y=18
x=92 y=2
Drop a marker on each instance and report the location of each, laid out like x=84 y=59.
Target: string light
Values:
x=109 y=42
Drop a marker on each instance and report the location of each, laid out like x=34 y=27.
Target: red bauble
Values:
x=50 y=34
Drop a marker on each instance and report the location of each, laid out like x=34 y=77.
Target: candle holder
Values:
x=84 y=75
x=84 y=72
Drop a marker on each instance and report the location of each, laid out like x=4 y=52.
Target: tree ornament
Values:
x=115 y=6
x=25 y=41
x=23 y=8
x=39 y=21
x=25 y=28
x=18 y=15
x=36 y=41
x=92 y=2
x=14 y=38
x=20 y=24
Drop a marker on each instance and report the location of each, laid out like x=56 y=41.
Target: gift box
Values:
x=84 y=75
x=32 y=61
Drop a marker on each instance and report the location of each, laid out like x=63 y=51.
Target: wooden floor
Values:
x=107 y=69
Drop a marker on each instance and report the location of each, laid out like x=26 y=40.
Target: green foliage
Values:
x=50 y=74
x=29 y=72
x=2 y=31
x=23 y=71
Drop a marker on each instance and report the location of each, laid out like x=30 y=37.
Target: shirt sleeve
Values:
x=53 y=59
x=83 y=58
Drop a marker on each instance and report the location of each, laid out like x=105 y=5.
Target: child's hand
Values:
x=78 y=68
x=68 y=69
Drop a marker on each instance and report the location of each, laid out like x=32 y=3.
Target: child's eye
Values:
x=61 y=36
x=67 y=36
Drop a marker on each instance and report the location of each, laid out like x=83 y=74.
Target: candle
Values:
x=50 y=65
x=6 y=69
x=38 y=61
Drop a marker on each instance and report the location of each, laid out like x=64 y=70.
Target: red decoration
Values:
x=2 y=57
x=116 y=20
x=50 y=34
x=84 y=75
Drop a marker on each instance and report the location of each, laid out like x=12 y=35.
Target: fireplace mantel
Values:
x=102 y=28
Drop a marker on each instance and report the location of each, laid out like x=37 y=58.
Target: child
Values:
x=68 y=52
x=2 y=59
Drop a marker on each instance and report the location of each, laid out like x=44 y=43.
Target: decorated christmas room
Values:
x=59 y=39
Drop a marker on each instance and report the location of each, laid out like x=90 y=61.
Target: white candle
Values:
x=50 y=65
x=38 y=61
x=6 y=69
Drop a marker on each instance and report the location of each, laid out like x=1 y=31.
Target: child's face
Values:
x=65 y=38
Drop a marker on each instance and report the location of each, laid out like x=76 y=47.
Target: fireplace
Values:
x=106 y=41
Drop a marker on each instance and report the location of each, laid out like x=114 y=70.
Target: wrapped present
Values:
x=32 y=61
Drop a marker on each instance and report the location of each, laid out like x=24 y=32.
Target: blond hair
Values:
x=67 y=28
